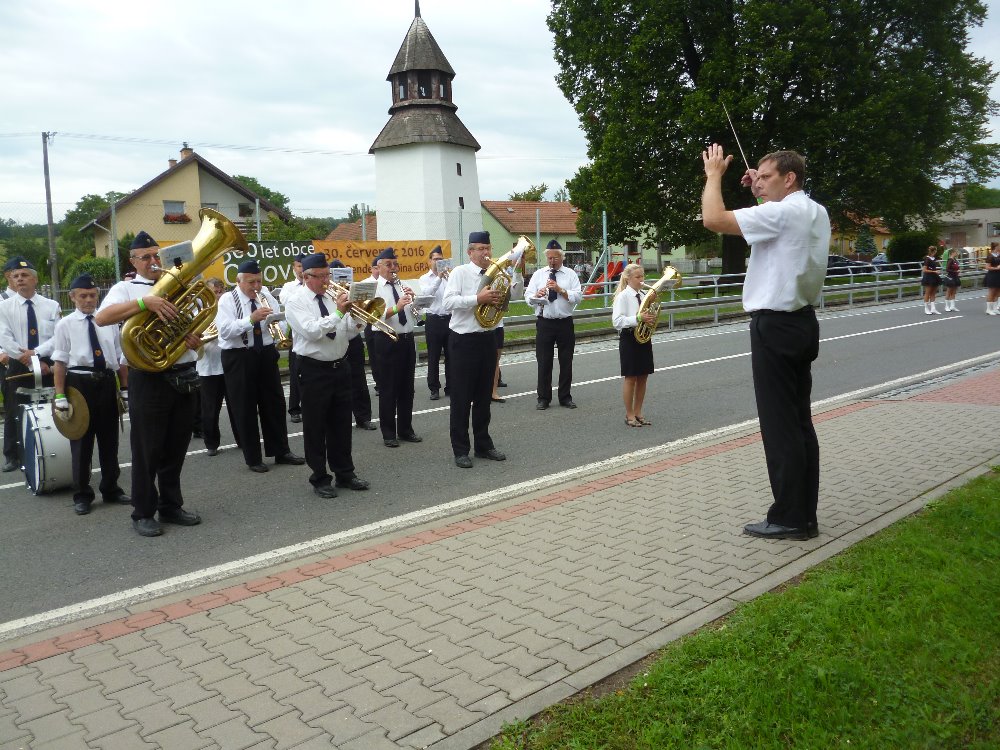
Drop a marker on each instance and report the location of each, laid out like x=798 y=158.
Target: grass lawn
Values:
x=893 y=644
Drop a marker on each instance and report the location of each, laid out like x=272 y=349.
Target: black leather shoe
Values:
x=180 y=517
x=81 y=508
x=567 y=404
x=147 y=527
x=290 y=459
x=213 y=451
x=435 y=395
x=492 y=454
x=766 y=530
x=501 y=384
x=120 y=499
x=812 y=529
x=295 y=418
x=353 y=484
x=498 y=400
x=391 y=443
x=463 y=462
x=542 y=404
x=11 y=465
x=412 y=438
x=259 y=468
x=367 y=426
x=325 y=490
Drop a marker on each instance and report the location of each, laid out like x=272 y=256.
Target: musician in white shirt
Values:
x=321 y=329
x=436 y=328
x=636 y=359
x=213 y=385
x=289 y=288
x=473 y=351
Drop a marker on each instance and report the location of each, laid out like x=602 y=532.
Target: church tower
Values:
x=426 y=180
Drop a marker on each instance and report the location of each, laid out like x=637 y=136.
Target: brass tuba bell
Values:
x=487 y=315
x=153 y=345
x=651 y=303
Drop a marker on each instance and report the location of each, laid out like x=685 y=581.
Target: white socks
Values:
x=991 y=308
x=927 y=308
x=949 y=306
x=930 y=308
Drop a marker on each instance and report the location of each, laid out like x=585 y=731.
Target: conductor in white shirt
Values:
x=789 y=236
x=559 y=286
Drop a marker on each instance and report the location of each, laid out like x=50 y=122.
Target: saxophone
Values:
x=488 y=315
x=153 y=345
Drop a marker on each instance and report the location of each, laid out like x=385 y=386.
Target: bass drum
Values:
x=48 y=460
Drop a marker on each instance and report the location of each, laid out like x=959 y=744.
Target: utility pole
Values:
x=53 y=265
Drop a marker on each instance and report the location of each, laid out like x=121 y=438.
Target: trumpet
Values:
x=394 y=280
x=282 y=342
x=370 y=311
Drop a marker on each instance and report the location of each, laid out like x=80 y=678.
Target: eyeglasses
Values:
x=146 y=257
x=317 y=275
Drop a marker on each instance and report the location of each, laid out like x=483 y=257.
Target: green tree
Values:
x=864 y=243
x=911 y=247
x=882 y=97
x=980 y=196
x=72 y=244
x=561 y=195
x=279 y=200
x=534 y=193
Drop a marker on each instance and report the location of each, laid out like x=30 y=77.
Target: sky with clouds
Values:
x=291 y=93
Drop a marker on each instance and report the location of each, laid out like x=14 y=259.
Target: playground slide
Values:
x=614 y=268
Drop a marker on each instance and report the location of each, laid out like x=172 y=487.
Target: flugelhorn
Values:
x=651 y=303
x=370 y=311
x=281 y=341
x=153 y=345
x=496 y=278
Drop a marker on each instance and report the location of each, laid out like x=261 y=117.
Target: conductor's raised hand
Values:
x=716 y=162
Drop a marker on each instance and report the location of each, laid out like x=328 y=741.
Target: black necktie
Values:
x=258 y=335
x=32 y=326
x=395 y=296
x=324 y=313
x=552 y=292
x=638 y=298
x=99 y=362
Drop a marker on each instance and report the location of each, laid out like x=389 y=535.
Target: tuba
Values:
x=153 y=345
x=496 y=278
x=651 y=303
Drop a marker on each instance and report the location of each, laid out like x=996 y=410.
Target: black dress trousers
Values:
x=549 y=334
x=101 y=395
x=436 y=333
x=361 y=400
x=253 y=386
x=397 y=362
x=162 y=420
x=783 y=346
x=213 y=393
x=326 y=418
x=474 y=361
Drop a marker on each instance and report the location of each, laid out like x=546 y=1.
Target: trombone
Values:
x=370 y=311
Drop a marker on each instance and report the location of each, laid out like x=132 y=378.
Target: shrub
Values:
x=911 y=247
x=102 y=269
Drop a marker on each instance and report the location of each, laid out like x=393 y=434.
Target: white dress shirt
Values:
x=460 y=298
x=14 y=324
x=210 y=360
x=384 y=290
x=233 y=321
x=562 y=307
x=625 y=309
x=434 y=284
x=789 y=243
x=131 y=290
x=309 y=327
x=71 y=343
x=289 y=288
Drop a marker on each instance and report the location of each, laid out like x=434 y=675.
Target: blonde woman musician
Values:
x=636 y=359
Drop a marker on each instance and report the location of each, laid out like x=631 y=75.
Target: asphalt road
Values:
x=52 y=558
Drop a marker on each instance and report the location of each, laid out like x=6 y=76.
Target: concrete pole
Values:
x=53 y=261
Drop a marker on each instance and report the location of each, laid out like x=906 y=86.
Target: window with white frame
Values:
x=993 y=229
x=173 y=207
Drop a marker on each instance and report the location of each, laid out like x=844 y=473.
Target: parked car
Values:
x=838 y=264
x=880 y=260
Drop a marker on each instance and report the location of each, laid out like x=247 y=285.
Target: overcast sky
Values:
x=309 y=75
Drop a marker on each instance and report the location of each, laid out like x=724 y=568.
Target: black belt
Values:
x=181 y=367
x=474 y=333
x=435 y=315
x=91 y=373
x=325 y=364
x=564 y=317
x=801 y=311
x=399 y=336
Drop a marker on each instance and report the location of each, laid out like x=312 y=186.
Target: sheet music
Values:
x=342 y=276
x=362 y=291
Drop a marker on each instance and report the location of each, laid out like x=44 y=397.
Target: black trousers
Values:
x=436 y=332
x=782 y=348
x=12 y=407
x=397 y=362
x=213 y=392
x=101 y=396
x=294 y=402
x=326 y=418
x=474 y=359
x=361 y=401
x=372 y=356
x=550 y=333
x=253 y=387
x=162 y=420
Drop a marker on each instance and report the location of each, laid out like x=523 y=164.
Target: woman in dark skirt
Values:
x=992 y=280
x=930 y=280
x=952 y=282
x=636 y=359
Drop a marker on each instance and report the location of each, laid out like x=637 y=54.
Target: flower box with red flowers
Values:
x=176 y=219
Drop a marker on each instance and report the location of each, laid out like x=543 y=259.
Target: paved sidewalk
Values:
x=436 y=636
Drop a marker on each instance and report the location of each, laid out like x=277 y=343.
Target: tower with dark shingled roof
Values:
x=426 y=178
